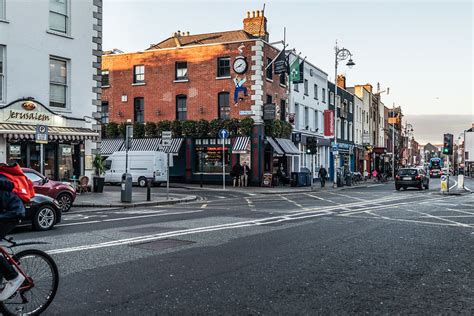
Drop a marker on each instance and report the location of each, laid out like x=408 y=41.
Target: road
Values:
x=360 y=250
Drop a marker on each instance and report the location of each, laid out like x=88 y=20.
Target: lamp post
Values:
x=340 y=55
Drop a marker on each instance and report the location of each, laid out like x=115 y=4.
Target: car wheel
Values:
x=65 y=201
x=142 y=182
x=45 y=218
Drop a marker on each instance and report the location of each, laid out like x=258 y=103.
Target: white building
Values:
x=307 y=102
x=50 y=75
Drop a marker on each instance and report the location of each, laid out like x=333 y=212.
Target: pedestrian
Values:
x=237 y=173
x=374 y=174
x=322 y=176
x=15 y=188
x=245 y=174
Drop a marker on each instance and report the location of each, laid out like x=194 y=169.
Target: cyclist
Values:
x=13 y=185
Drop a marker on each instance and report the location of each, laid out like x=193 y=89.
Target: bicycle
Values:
x=41 y=279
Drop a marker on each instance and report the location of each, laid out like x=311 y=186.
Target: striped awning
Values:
x=144 y=144
x=241 y=145
x=28 y=132
x=276 y=149
x=288 y=147
x=176 y=144
x=109 y=146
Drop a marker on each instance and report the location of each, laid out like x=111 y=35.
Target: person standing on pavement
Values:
x=245 y=174
x=322 y=175
x=237 y=173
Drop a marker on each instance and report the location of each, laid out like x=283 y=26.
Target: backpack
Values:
x=22 y=186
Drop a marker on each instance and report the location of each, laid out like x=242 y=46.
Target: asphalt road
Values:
x=361 y=250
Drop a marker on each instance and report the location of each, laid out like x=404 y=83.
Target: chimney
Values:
x=255 y=23
x=176 y=38
x=368 y=87
x=341 y=81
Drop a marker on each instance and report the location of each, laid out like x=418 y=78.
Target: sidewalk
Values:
x=272 y=190
x=111 y=198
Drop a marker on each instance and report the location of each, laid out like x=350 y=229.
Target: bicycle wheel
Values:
x=42 y=269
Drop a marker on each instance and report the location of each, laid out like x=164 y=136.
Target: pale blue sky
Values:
x=422 y=50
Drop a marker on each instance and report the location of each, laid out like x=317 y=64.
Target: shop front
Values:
x=67 y=153
x=346 y=158
x=208 y=158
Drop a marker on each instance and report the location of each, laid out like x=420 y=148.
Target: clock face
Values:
x=240 y=65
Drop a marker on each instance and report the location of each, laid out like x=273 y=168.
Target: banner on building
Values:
x=295 y=75
x=279 y=65
x=329 y=123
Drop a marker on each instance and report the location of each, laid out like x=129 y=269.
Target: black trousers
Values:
x=6 y=269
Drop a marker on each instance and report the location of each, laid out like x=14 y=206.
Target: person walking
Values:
x=245 y=174
x=237 y=173
x=322 y=176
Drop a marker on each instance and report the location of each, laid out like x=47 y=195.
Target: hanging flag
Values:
x=279 y=65
x=301 y=72
x=295 y=71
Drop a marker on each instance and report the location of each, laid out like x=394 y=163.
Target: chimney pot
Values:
x=253 y=14
x=248 y=14
x=187 y=33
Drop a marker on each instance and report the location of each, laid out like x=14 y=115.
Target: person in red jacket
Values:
x=15 y=188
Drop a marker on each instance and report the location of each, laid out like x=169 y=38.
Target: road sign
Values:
x=335 y=147
x=223 y=133
x=444 y=183
x=246 y=112
x=166 y=135
x=42 y=134
x=166 y=138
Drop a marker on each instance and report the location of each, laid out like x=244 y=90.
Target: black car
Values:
x=411 y=177
x=42 y=212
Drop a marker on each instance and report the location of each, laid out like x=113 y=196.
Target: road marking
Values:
x=320 y=198
x=204 y=206
x=438 y=218
x=291 y=201
x=455 y=183
x=251 y=205
x=347 y=196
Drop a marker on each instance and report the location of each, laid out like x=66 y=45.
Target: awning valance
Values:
x=28 y=132
x=288 y=147
x=241 y=145
x=276 y=149
x=109 y=146
x=144 y=144
x=175 y=145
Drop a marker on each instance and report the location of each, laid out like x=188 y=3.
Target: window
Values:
x=2 y=10
x=283 y=79
x=306 y=118
x=324 y=95
x=296 y=87
x=139 y=74
x=269 y=69
x=105 y=78
x=339 y=128
x=2 y=73
x=350 y=107
x=223 y=67
x=181 y=70
x=338 y=101
x=282 y=110
x=350 y=132
x=139 y=110
x=331 y=98
x=316 y=120
x=104 y=113
x=57 y=82
x=33 y=177
x=345 y=130
x=297 y=115
x=223 y=104
x=181 y=109
x=316 y=91
x=306 y=87
x=58 y=15
x=269 y=99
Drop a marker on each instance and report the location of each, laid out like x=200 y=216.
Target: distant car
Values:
x=64 y=192
x=436 y=173
x=411 y=177
x=42 y=212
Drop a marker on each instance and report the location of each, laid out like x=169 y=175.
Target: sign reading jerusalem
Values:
x=27 y=112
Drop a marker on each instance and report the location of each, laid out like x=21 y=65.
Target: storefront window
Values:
x=17 y=153
x=209 y=159
x=65 y=162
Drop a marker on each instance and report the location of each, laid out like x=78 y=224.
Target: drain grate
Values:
x=162 y=244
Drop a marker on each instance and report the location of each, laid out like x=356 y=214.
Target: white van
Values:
x=142 y=165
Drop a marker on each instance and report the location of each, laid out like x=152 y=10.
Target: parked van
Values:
x=142 y=165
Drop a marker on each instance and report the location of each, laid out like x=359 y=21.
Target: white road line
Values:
x=346 y=196
x=453 y=216
x=412 y=221
x=320 y=198
x=459 y=211
x=455 y=183
x=251 y=205
x=438 y=218
x=204 y=206
x=291 y=201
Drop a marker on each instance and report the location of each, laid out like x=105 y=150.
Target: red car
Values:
x=63 y=192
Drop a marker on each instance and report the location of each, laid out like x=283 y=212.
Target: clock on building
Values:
x=240 y=65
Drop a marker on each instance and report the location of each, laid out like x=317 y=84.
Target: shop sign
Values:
x=291 y=118
x=366 y=138
x=246 y=112
x=42 y=134
x=297 y=137
x=29 y=112
x=15 y=151
x=267 y=180
x=269 y=111
x=329 y=123
x=66 y=151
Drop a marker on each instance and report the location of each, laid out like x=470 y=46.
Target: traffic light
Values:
x=311 y=145
x=448 y=144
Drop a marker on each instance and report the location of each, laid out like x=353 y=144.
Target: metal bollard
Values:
x=148 y=190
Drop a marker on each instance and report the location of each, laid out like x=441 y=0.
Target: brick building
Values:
x=192 y=77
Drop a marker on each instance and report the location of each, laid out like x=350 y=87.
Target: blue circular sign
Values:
x=223 y=133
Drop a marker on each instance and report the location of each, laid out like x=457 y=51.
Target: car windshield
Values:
x=407 y=172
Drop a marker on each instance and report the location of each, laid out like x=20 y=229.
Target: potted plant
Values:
x=98 y=180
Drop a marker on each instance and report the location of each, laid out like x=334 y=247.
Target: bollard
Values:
x=148 y=190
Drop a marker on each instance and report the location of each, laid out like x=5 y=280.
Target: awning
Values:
x=109 y=146
x=240 y=145
x=28 y=132
x=276 y=149
x=175 y=145
x=144 y=144
x=288 y=147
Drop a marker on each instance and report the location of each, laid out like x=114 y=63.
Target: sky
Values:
x=422 y=50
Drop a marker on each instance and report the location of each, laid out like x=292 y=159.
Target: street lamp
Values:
x=340 y=55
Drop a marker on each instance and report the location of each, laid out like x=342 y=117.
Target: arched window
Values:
x=181 y=108
x=223 y=106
